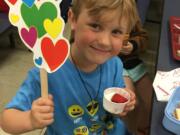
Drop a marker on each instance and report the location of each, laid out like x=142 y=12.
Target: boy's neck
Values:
x=81 y=63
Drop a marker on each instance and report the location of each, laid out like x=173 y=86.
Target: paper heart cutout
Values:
x=30 y=36
x=54 y=28
x=29 y=3
x=38 y=61
x=54 y=55
x=13 y=2
x=35 y=17
x=14 y=18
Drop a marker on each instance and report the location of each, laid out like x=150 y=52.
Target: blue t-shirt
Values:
x=75 y=112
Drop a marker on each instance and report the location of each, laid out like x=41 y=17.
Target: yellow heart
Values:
x=54 y=28
x=14 y=18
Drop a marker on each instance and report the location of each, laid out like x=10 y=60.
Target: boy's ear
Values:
x=71 y=19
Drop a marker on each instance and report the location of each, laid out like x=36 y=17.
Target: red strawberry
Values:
x=117 y=98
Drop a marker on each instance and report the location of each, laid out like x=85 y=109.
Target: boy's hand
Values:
x=131 y=105
x=42 y=112
x=126 y=48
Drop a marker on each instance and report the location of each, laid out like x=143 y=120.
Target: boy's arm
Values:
x=41 y=115
x=15 y=121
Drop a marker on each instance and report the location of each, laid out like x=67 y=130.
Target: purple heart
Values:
x=30 y=36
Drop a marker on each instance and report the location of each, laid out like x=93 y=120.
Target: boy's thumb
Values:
x=50 y=96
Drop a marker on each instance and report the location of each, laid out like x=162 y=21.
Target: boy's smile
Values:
x=96 y=39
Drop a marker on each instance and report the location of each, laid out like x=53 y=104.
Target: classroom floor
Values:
x=14 y=63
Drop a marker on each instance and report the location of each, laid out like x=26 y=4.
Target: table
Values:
x=165 y=62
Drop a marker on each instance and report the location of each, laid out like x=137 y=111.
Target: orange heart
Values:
x=54 y=55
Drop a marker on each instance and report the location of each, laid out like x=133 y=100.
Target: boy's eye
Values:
x=117 y=32
x=95 y=26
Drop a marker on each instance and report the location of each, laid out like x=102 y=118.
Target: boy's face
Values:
x=97 y=39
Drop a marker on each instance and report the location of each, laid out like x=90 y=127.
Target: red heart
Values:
x=12 y=1
x=55 y=55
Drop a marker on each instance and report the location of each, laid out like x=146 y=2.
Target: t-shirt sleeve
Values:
x=27 y=93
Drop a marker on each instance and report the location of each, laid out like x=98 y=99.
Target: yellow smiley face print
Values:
x=83 y=130
x=75 y=111
x=110 y=125
x=94 y=127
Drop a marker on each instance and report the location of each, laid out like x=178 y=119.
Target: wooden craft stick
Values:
x=44 y=83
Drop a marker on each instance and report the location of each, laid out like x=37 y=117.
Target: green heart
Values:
x=35 y=17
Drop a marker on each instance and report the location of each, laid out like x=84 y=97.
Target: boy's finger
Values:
x=123 y=114
x=132 y=103
x=45 y=101
x=130 y=108
x=131 y=94
x=46 y=109
x=47 y=122
x=47 y=116
x=50 y=96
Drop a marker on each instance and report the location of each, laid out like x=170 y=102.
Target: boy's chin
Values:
x=100 y=61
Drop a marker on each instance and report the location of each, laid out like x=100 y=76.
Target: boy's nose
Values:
x=104 y=39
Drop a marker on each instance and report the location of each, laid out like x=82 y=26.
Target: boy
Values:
x=76 y=90
x=135 y=75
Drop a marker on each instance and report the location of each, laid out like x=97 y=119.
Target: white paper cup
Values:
x=113 y=107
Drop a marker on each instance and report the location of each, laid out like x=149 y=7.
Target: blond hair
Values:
x=125 y=8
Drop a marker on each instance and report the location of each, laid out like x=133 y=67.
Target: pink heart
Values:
x=30 y=36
